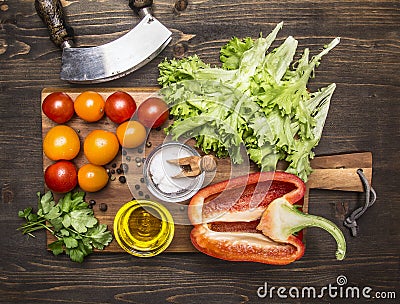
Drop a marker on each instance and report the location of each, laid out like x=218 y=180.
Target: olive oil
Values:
x=143 y=228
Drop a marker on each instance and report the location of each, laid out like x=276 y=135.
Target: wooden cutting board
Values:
x=335 y=172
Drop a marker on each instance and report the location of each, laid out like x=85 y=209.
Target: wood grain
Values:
x=339 y=172
x=363 y=117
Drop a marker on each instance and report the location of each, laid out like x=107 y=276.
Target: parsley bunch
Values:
x=71 y=221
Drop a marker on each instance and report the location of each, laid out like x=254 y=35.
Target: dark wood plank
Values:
x=363 y=117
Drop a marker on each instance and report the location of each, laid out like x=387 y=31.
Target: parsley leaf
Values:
x=82 y=219
x=57 y=247
x=99 y=236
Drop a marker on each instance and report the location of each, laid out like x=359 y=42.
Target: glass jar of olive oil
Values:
x=143 y=228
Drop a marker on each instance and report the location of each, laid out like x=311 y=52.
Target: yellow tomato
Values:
x=92 y=178
x=61 y=142
x=131 y=134
x=100 y=147
x=89 y=106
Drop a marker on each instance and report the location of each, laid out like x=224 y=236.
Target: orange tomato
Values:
x=131 y=134
x=89 y=106
x=100 y=147
x=92 y=178
x=61 y=142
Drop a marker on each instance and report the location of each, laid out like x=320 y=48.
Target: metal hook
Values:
x=370 y=198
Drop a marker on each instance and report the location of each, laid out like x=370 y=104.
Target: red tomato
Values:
x=120 y=107
x=59 y=107
x=61 y=176
x=153 y=112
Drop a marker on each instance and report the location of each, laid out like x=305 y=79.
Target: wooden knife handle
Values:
x=138 y=5
x=52 y=14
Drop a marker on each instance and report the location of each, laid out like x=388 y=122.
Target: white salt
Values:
x=162 y=171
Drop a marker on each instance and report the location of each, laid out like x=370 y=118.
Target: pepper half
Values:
x=253 y=218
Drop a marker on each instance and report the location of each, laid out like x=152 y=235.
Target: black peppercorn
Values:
x=137 y=187
x=119 y=171
x=140 y=193
x=122 y=179
x=103 y=207
x=124 y=167
x=142 y=180
x=128 y=158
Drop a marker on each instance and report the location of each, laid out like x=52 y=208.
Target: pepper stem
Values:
x=309 y=220
x=281 y=219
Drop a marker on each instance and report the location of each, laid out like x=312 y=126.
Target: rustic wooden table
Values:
x=364 y=116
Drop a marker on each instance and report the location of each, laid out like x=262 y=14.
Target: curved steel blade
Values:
x=117 y=58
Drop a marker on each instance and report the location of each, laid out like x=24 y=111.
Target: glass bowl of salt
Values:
x=159 y=173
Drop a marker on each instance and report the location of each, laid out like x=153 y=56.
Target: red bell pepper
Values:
x=253 y=218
